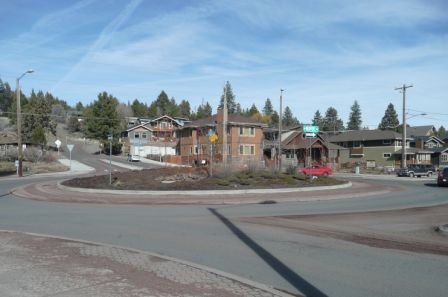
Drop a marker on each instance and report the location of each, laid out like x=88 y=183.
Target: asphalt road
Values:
x=213 y=236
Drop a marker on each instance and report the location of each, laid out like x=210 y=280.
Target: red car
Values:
x=317 y=170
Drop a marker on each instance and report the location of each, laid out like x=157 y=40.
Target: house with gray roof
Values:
x=374 y=148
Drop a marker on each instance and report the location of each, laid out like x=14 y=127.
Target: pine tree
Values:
x=268 y=109
x=139 y=109
x=37 y=114
x=184 y=109
x=203 y=111
x=354 y=122
x=331 y=121
x=253 y=110
x=101 y=117
x=161 y=106
x=441 y=133
x=318 y=120
x=231 y=103
x=288 y=118
x=390 y=119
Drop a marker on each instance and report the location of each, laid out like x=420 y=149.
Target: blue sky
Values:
x=323 y=53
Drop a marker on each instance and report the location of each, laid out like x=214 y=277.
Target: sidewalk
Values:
x=36 y=265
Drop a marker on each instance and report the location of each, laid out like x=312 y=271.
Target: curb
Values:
x=205 y=192
x=233 y=277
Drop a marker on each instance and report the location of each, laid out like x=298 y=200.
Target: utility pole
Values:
x=403 y=141
x=224 y=127
x=280 y=134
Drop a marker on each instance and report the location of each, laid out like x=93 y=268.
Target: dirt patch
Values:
x=412 y=229
x=194 y=179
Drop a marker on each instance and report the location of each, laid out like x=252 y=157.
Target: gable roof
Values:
x=363 y=135
x=419 y=131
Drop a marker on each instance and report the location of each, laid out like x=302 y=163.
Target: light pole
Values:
x=19 y=123
x=403 y=141
x=280 y=133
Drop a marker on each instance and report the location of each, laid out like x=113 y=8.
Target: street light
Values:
x=19 y=123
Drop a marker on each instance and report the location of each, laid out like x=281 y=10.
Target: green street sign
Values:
x=311 y=129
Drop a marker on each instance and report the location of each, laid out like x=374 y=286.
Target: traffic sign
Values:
x=70 y=147
x=58 y=143
x=311 y=129
x=310 y=134
x=213 y=137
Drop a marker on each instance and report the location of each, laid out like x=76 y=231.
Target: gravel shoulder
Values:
x=413 y=229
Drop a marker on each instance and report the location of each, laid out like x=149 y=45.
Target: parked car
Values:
x=317 y=170
x=417 y=170
x=133 y=158
x=442 y=178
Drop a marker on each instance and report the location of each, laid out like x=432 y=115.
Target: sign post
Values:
x=310 y=132
x=110 y=137
x=70 y=148
x=58 y=144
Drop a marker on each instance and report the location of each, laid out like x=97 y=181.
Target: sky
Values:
x=322 y=53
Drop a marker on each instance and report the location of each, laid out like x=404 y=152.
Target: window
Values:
x=144 y=135
x=136 y=135
x=444 y=157
x=387 y=155
x=247 y=149
x=387 y=141
x=356 y=143
x=247 y=131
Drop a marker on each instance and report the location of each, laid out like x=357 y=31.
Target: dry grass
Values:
x=42 y=167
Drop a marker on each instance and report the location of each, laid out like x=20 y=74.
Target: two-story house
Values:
x=152 y=137
x=202 y=140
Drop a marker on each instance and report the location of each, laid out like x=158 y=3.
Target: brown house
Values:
x=300 y=151
x=243 y=144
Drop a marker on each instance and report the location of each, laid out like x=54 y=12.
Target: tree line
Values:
x=105 y=115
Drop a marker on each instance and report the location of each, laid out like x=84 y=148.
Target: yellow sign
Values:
x=213 y=137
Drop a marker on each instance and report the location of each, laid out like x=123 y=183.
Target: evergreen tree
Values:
x=274 y=118
x=38 y=137
x=253 y=110
x=317 y=119
x=161 y=106
x=354 y=122
x=231 y=103
x=79 y=107
x=139 y=109
x=331 y=121
x=203 y=111
x=184 y=109
x=441 y=133
x=268 y=109
x=101 y=117
x=390 y=119
x=6 y=96
x=238 y=109
x=288 y=118
x=37 y=114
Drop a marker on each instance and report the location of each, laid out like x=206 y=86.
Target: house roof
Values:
x=419 y=131
x=413 y=151
x=233 y=119
x=439 y=149
x=429 y=138
x=363 y=135
x=8 y=137
x=138 y=126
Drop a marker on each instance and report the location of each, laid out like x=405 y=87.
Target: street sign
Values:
x=213 y=137
x=58 y=143
x=310 y=134
x=70 y=147
x=311 y=129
